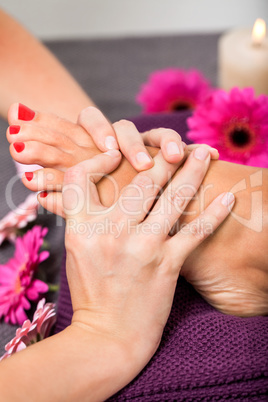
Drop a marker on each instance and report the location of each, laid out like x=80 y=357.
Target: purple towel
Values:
x=204 y=355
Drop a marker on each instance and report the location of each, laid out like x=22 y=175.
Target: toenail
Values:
x=43 y=194
x=24 y=113
x=29 y=175
x=19 y=146
x=14 y=129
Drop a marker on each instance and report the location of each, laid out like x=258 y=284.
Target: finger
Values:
x=191 y=235
x=214 y=153
x=138 y=197
x=80 y=195
x=99 y=128
x=168 y=140
x=52 y=202
x=132 y=146
x=180 y=191
x=43 y=180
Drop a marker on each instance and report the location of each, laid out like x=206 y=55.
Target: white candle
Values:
x=243 y=59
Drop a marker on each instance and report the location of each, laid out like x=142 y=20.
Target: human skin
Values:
x=121 y=288
x=47 y=88
x=230 y=269
x=29 y=72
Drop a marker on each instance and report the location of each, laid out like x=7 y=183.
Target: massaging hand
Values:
x=123 y=135
x=122 y=266
x=223 y=279
x=57 y=144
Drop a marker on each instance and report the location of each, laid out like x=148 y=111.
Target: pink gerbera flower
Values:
x=17 y=282
x=31 y=332
x=236 y=123
x=19 y=218
x=173 y=89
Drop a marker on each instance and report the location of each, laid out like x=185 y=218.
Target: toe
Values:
x=19 y=114
x=30 y=152
x=52 y=202
x=43 y=180
x=30 y=132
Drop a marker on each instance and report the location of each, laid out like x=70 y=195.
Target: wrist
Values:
x=106 y=363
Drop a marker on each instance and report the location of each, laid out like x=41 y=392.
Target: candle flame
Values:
x=258 y=32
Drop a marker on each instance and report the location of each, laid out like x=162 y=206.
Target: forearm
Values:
x=74 y=365
x=30 y=74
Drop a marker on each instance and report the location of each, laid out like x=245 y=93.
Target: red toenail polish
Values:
x=43 y=194
x=24 y=113
x=29 y=175
x=19 y=146
x=14 y=129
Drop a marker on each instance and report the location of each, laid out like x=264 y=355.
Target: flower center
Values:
x=179 y=105
x=239 y=137
x=18 y=286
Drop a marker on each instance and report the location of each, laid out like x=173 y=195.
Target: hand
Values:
x=124 y=135
x=57 y=144
x=122 y=266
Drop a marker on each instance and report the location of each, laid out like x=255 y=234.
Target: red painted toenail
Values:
x=43 y=194
x=29 y=175
x=24 y=113
x=19 y=146
x=14 y=129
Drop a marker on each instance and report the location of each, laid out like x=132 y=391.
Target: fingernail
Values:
x=29 y=175
x=201 y=153
x=173 y=149
x=43 y=194
x=114 y=153
x=24 y=113
x=110 y=142
x=227 y=199
x=14 y=129
x=143 y=158
x=19 y=146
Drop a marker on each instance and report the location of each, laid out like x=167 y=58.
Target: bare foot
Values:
x=46 y=139
x=230 y=269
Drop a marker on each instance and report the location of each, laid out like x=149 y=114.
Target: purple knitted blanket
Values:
x=204 y=355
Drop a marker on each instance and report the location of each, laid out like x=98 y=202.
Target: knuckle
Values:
x=171 y=133
x=123 y=123
x=151 y=134
x=145 y=247
x=202 y=228
x=179 y=198
x=84 y=114
x=143 y=180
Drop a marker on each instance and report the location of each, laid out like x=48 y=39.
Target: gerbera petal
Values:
x=17 y=283
x=235 y=123
x=172 y=88
x=32 y=332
